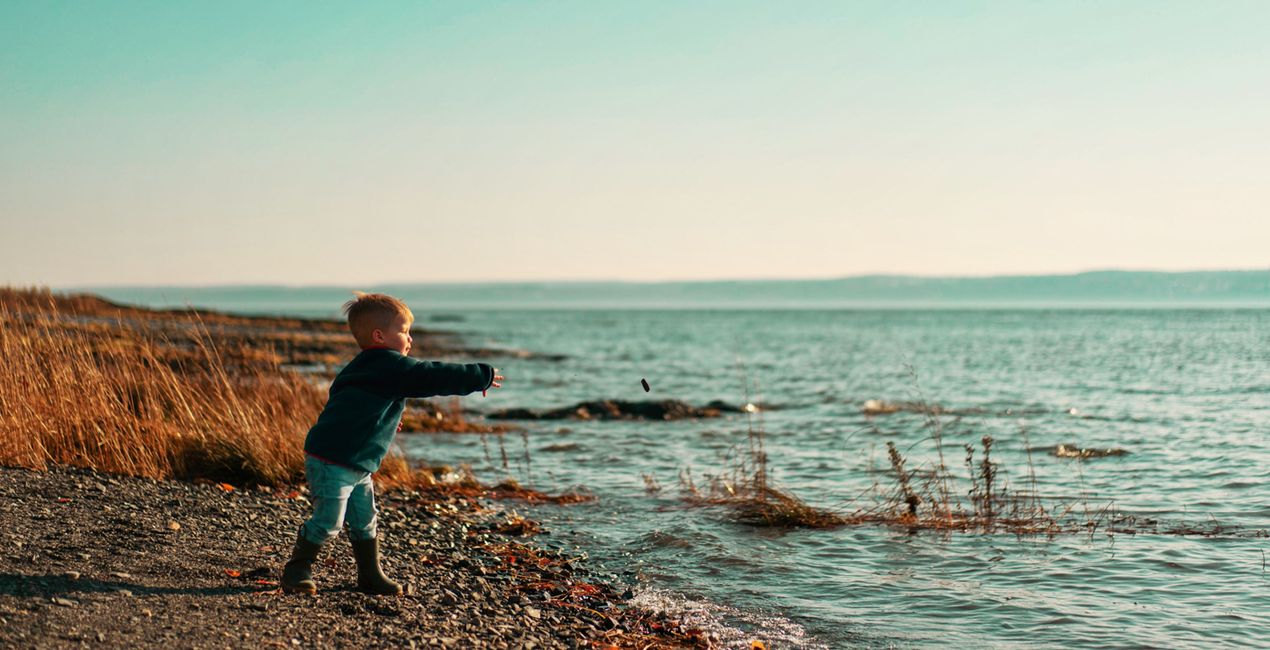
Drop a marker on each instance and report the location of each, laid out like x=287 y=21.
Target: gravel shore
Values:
x=108 y=561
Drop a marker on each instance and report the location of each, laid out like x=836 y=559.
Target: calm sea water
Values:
x=1185 y=392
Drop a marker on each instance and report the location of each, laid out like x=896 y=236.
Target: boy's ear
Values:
x=377 y=335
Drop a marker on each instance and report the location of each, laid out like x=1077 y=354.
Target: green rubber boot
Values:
x=370 y=578
x=297 y=575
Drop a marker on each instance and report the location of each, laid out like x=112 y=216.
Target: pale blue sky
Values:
x=301 y=142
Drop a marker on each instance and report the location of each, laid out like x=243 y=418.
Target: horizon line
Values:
x=594 y=281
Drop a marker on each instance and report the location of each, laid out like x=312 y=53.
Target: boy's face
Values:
x=396 y=336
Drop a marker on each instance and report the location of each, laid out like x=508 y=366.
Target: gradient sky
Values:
x=351 y=143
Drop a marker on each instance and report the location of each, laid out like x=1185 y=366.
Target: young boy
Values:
x=353 y=433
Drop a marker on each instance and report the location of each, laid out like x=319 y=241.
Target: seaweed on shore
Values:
x=546 y=576
x=428 y=416
x=397 y=474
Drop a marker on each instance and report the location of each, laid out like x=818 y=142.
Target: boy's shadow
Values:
x=26 y=586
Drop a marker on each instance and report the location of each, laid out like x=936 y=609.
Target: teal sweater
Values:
x=367 y=399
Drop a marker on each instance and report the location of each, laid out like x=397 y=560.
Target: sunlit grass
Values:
x=119 y=396
x=127 y=391
x=182 y=394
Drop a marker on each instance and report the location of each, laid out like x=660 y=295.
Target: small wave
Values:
x=874 y=407
x=659 y=539
x=729 y=627
x=1238 y=485
x=1246 y=390
x=1097 y=418
x=1061 y=620
x=1133 y=390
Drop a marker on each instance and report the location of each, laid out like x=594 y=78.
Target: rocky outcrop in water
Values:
x=608 y=409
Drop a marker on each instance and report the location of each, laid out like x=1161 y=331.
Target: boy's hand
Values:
x=497 y=383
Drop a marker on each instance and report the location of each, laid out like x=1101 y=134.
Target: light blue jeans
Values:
x=340 y=495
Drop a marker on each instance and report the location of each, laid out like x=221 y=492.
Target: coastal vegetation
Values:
x=151 y=397
x=187 y=394
x=208 y=396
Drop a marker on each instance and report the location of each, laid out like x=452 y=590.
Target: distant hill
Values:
x=1094 y=289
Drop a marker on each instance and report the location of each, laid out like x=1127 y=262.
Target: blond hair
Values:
x=368 y=312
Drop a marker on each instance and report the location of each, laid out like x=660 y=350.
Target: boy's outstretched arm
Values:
x=433 y=378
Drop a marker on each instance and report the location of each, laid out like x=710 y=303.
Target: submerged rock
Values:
x=623 y=410
x=878 y=407
x=1074 y=451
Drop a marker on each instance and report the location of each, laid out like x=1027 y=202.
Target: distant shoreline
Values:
x=1095 y=290
x=1092 y=273
x=447 y=310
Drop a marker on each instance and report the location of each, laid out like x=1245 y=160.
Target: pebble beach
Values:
x=108 y=561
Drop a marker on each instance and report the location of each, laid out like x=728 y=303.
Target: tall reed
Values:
x=117 y=395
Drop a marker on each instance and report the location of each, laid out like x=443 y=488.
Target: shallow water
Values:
x=1185 y=392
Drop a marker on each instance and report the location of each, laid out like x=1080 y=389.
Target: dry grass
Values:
x=745 y=490
x=920 y=498
x=159 y=394
x=927 y=499
x=87 y=391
